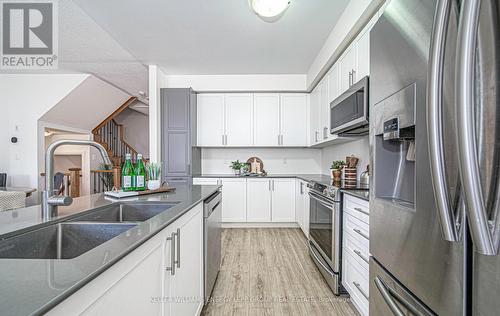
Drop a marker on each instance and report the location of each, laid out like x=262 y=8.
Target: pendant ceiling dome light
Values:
x=269 y=10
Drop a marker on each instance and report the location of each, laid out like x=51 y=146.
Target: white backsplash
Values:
x=276 y=160
x=359 y=148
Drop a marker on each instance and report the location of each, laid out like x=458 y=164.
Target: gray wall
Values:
x=136 y=130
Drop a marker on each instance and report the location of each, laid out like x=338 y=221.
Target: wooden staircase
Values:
x=110 y=135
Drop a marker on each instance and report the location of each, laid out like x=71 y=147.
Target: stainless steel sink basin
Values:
x=123 y=213
x=60 y=241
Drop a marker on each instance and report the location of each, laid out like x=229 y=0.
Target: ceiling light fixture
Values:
x=269 y=10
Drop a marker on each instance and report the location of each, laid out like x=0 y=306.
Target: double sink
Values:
x=76 y=236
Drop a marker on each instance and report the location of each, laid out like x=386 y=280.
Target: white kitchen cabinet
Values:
x=267 y=119
x=239 y=119
x=139 y=283
x=347 y=66
x=234 y=200
x=363 y=51
x=293 y=123
x=283 y=200
x=324 y=113
x=333 y=84
x=259 y=200
x=210 y=120
x=206 y=181
x=302 y=206
x=187 y=284
x=314 y=116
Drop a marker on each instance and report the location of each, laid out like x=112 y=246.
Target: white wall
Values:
x=25 y=98
x=276 y=160
x=156 y=82
x=359 y=148
x=136 y=127
x=267 y=82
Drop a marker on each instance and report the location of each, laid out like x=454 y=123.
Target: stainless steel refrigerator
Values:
x=435 y=152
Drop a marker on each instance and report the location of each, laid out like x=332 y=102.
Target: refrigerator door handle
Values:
x=390 y=297
x=484 y=241
x=435 y=122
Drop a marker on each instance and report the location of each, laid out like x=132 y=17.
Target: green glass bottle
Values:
x=128 y=176
x=140 y=174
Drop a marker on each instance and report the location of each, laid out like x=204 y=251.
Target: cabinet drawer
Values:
x=357 y=208
x=357 y=249
x=355 y=280
x=357 y=229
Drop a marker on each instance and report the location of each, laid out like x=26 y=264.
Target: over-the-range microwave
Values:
x=349 y=112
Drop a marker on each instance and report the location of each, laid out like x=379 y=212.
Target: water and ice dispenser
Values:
x=394 y=148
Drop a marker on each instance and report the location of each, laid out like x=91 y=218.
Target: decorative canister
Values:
x=350 y=177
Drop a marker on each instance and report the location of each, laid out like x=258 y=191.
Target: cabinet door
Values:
x=306 y=202
x=347 y=64
x=258 y=200
x=283 y=200
x=187 y=282
x=314 y=116
x=239 y=119
x=333 y=83
x=135 y=290
x=234 y=198
x=299 y=203
x=293 y=119
x=267 y=119
x=210 y=120
x=324 y=109
x=363 y=51
x=176 y=152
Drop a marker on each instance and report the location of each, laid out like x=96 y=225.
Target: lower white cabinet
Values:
x=234 y=200
x=283 y=200
x=302 y=206
x=355 y=252
x=140 y=284
x=259 y=200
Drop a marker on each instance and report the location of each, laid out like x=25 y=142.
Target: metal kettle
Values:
x=364 y=178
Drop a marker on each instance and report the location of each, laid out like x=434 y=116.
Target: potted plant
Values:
x=236 y=166
x=154 y=173
x=336 y=169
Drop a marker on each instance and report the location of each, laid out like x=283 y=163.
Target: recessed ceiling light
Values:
x=269 y=10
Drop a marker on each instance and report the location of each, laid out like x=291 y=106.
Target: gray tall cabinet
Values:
x=181 y=159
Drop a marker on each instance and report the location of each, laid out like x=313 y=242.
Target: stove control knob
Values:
x=325 y=192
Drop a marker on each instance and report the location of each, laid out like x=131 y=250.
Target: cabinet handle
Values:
x=281 y=136
x=325 y=132
x=302 y=188
x=358 y=286
x=273 y=184
x=269 y=184
x=361 y=211
x=350 y=78
x=316 y=136
x=361 y=256
x=172 y=254
x=223 y=140
x=178 y=253
x=353 y=76
x=361 y=233
x=279 y=140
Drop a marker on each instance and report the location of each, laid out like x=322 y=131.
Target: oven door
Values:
x=324 y=229
x=349 y=111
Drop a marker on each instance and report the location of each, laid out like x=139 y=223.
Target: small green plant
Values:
x=338 y=164
x=154 y=170
x=237 y=165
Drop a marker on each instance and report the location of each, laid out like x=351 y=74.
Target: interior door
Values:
x=239 y=119
x=267 y=119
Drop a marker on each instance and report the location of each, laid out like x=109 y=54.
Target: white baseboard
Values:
x=260 y=225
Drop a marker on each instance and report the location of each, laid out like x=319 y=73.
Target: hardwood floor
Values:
x=269 y=272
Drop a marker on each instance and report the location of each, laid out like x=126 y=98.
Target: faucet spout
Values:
x=49 y=200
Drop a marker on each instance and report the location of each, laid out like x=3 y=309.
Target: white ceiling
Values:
x=215 y=36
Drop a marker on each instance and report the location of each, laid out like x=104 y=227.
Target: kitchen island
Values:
x=107 y=277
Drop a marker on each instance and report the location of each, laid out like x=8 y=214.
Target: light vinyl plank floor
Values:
x=268 y=271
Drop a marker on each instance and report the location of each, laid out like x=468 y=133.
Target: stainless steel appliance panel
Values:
x=406 y=238
x=212 y=241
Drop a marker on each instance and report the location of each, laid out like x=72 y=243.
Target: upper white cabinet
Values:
x=239 y=119
x=347 y=68
x=210 y=120
x=324 y=112
x=247 y=119
x=314 y=116
x=294 y=119
x=267 y=119
x=363 y=51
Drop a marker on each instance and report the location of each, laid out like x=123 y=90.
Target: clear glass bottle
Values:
x=128 y=176
x=140 y=174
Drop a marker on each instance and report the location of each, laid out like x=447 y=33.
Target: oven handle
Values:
x=320 y=199
x=312 y=251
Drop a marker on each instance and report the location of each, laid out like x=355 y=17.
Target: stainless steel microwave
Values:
x=349 y=112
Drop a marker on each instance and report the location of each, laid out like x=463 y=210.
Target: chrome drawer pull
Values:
x=178 y=261
x=361 y=233
x=361 y=256
x=172 y=254
x=356 y=284
x=361 y=211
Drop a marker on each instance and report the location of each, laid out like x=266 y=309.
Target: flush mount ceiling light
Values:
x=269 y=10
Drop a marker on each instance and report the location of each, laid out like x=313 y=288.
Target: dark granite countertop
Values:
x=34 y=286
x=362 y=194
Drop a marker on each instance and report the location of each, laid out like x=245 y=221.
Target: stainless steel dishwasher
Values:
x=212 y=217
